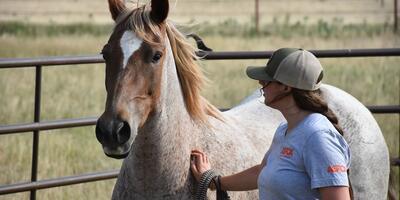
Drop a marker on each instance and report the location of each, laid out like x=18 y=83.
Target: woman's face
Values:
x=273 y=92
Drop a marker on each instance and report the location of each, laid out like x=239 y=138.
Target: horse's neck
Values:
x=159 y=161
x=160 y=156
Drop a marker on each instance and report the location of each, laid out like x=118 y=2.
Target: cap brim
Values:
x=258 y=73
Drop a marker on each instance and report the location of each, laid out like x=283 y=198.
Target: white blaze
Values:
x=129 y=44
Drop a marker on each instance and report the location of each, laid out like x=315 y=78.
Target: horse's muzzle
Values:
x=113 y=135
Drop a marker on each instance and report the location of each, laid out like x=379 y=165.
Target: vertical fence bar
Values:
x=35 y=143
x=257 y=15
x=395 y=17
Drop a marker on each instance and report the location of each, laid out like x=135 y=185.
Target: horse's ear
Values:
x=159 y=10
x=116 y=7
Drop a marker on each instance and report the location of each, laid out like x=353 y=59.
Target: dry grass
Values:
x=70 y=92
x=66 y=11
x=79 y=91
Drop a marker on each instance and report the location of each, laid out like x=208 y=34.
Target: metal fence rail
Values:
x=48 y=125
x=221 y=55
x=89 y=121
x=67 y=180
x=38 y=126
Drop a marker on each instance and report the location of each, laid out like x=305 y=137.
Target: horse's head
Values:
x=134 y=57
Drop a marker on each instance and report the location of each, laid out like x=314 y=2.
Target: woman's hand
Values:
x=199 y=163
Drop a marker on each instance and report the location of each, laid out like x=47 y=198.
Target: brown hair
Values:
x=313 y=101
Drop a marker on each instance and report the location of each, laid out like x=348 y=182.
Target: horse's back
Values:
x=370 y=167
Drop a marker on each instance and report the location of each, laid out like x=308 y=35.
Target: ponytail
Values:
x=314 y=102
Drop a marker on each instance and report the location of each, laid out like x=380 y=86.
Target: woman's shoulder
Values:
x=323 y=138
x=320 y=128
x=326 y=136
x=327 y=143
x=317 y=122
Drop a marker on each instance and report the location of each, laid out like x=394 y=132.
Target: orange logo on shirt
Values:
x=337 y=168
x=287 y=152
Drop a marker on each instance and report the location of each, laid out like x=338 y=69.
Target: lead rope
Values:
x=205 y=180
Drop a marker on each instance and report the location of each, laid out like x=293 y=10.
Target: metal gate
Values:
x=38 y=126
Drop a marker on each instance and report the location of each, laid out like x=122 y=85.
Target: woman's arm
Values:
x=335 y=193
x=245 y=180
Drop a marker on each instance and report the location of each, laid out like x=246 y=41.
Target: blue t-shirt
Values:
x=310 y=156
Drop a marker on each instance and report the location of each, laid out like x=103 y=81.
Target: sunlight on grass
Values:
x=70 y=92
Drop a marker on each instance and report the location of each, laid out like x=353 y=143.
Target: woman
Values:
x=308 y=157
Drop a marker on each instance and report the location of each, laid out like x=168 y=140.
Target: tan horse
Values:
x=154 y=116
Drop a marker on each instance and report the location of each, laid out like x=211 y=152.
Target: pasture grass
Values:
x=78 y=91
x=285 y=28
x=67 y=11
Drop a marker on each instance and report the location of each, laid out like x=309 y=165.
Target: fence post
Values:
x=395 y=17
x=257 y=16
x=35 y=143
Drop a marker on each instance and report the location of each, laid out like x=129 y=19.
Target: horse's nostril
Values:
x=123 y=132
x=119 y=127
x=99 y=132
x=112 y=133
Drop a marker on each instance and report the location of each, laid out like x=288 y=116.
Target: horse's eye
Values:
x=156 y=57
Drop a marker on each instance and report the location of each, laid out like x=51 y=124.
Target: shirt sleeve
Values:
x=326 y=159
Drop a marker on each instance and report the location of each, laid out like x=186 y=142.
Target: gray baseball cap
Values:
x=296 y=68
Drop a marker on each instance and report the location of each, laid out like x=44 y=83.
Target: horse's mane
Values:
x=189 y=73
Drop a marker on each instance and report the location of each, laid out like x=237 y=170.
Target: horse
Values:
x=154 y=116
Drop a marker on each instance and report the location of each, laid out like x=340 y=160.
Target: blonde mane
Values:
x=189 y=73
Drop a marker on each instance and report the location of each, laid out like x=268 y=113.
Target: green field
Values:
x=78 y=91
